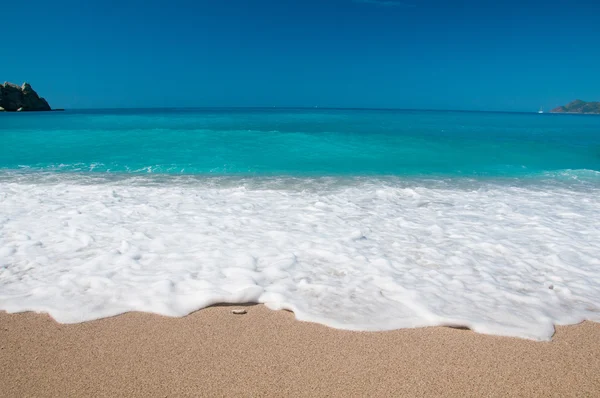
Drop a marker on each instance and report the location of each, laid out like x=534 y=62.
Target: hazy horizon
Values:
x=324 y=108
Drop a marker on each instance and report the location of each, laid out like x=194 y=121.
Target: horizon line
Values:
x=295 y=107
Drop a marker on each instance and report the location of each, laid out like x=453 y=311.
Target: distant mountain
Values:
x=578 y=106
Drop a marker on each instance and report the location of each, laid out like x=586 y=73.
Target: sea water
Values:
x=356 y=219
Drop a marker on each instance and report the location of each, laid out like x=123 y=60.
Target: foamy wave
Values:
x=574 y=174
x=358 y=254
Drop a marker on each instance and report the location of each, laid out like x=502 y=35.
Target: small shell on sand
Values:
x=239 y=312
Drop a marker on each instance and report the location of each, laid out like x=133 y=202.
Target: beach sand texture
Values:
x=214 y=352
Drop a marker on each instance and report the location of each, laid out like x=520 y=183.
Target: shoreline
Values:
x=213 y=352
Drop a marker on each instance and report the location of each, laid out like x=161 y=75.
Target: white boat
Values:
x=541 y=110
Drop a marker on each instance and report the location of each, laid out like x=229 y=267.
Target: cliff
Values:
x=578 y=106
x=14 y=98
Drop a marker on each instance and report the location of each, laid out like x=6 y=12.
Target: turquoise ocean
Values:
x=356 y=219
x=271 y=142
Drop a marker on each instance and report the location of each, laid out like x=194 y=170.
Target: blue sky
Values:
x=433 y=54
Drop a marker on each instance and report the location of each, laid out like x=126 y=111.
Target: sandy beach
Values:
x=269 y=353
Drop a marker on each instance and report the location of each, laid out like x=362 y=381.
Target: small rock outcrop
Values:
x=14 y=98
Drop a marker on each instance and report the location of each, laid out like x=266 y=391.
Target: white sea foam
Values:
x=359 y=254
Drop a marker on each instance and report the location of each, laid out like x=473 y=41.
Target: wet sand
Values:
x=268 y=353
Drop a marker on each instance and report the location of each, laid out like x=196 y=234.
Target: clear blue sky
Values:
x=481 y=55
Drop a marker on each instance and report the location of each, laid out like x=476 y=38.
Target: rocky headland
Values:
x=578 y=106
x=15 y=98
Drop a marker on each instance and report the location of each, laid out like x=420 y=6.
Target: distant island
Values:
x=578 y=106
x=14 y=98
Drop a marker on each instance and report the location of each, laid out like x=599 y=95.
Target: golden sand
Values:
x=268 y=353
